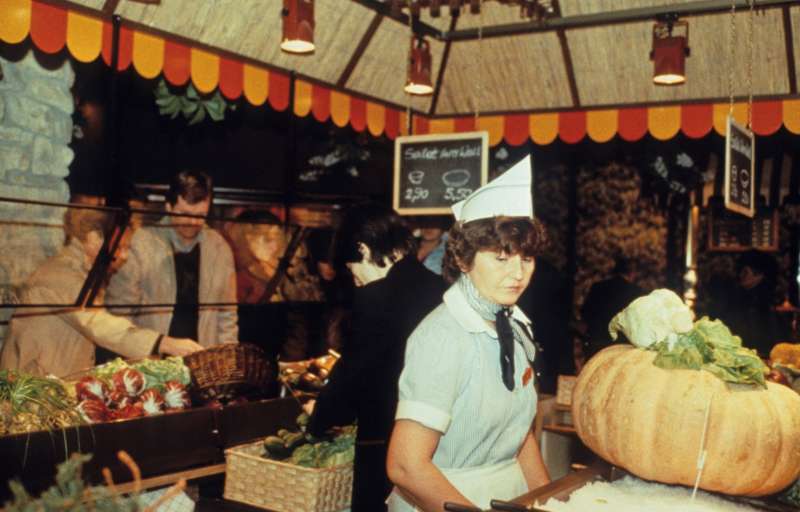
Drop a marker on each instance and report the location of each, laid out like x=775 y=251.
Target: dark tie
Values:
x=505 y=336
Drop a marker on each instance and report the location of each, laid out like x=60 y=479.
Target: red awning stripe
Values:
x=47 y=25
x=321 y=103
x=697 y=120
x=358 y=114
x=767 y=117
x=231 y=80
x=516 y=129
x=572 y=126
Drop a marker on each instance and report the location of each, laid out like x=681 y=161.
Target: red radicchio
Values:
x=152 y=402
x=175 y=395
x=130 y=410
x=91 y=388
x=118 y=399
x=92 y=411
x=129 y=380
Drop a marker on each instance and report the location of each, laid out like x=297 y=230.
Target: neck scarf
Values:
x=509 y=330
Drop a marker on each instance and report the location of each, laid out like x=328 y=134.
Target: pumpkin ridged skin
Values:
x=649 y=421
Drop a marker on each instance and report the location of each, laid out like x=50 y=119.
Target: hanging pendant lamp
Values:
x=670 y=49
x=418 y=81
x=298 y=26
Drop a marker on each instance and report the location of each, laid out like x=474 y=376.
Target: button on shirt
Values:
x=452 y=383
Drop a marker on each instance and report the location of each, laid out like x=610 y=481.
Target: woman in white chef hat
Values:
x=463 y=428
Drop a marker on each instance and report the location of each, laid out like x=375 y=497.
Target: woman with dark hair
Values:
x=463 y=429
x=393 y=294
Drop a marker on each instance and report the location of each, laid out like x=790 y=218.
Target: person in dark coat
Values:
x=605 y=299
x=394 y=293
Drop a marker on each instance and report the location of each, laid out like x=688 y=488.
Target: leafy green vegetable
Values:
x=711 y=346
x=70 y=494
x=157 y=372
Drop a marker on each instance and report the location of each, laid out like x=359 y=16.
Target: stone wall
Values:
x=36 y=108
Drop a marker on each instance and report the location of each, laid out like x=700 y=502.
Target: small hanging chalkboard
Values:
x=432 y=172
x=740 y=174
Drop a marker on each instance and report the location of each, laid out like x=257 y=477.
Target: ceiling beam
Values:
x=789 y=38
x=360 y=49
x=110 y=6
x=567 y=56
x=696 y=8
x=419 y=27
x=440 y=75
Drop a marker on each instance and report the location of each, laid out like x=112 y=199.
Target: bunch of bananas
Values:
x=191 y=105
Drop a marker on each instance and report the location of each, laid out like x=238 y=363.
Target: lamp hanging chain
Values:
x=479 y=73
x=750 y=48
x=731 y=54
x=409 y=128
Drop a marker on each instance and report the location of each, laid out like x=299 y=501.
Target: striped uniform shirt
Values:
x=452 y=383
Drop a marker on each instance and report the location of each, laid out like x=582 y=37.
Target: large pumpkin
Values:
x=649 y=421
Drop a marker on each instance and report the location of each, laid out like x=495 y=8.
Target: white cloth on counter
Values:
x=178 y=503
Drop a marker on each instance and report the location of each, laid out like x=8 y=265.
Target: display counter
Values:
x=185 y=444
x=562 y=488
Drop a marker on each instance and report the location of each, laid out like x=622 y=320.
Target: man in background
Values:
x=62 y=340
x=605 y=299
x=181 y=264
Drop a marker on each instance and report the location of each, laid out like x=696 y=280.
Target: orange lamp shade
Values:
x=298 y=26
x=419 y=81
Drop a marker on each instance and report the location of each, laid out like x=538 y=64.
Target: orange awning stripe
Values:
x=48 y=27
x=51 y=27
x=321 y=103
x=205 y=70
x=16 y=16
x=84 y=36
x=494 y=125
x=516 y=129
x=543 y=127
x=340 y=108
x=231 y=78
x=721 y=115
x=402 y=123
x=177 y=63
x=441 y=126
x=148 y=54
x=358 y=114
x=376 y=118
x=791 y=115
x=601 y=125
x=697 y=120
x=302 y=98
x=279 y=90
x=767 y=117
x=256 y=84
x=664 y=122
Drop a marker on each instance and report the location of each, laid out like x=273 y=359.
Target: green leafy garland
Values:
x=191 y=105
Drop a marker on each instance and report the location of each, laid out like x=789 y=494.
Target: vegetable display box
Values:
x=282 y=487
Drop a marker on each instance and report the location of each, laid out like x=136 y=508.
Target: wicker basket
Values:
x=229 y=370
x=282 y=487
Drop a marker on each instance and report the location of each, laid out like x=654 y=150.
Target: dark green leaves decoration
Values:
x=191 y=105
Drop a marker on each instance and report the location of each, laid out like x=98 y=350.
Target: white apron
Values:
x=480 y=485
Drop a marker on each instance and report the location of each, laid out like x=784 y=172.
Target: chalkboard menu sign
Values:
x=740 y=175
x=733 y=233
x=432 y=172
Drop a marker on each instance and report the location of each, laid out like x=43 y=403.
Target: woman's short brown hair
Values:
x=512 y=235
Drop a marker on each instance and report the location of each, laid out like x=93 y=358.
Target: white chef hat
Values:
x=507 y=195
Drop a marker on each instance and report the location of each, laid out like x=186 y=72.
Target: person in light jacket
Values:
x=181 y=264
x=62 y=340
